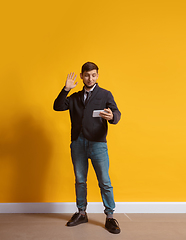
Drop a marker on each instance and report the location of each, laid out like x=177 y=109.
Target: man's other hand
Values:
x=107 y=114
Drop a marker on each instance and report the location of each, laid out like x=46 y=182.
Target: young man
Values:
x=88 y=136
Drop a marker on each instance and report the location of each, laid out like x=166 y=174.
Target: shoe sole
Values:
x=115 y=232
x=76 y=223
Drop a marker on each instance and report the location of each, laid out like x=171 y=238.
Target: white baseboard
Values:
x=94 y=207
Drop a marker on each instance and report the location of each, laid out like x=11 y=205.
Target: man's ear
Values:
x=81 y=75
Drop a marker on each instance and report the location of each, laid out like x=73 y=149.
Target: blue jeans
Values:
x=81 y=150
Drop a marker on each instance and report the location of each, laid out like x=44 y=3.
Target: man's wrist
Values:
x=111 y=120
x=66 y=89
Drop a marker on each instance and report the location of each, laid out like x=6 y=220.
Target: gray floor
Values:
x=52 y=226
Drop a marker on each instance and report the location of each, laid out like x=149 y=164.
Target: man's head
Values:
x=89 y=74
x=88 y=66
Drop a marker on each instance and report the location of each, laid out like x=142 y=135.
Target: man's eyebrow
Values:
x=90 y=73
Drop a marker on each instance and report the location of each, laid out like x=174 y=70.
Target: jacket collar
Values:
x=94 y=92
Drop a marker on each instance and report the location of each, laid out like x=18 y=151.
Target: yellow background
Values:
x=140 y=48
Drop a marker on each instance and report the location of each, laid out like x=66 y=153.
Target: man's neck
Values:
x=89 y=89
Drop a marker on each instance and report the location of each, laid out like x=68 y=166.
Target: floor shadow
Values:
x=91 y=221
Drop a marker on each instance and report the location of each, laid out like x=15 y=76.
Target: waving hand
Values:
x=70 y=82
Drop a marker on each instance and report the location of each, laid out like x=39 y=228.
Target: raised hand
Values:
x=70 y=81
x=107 y=114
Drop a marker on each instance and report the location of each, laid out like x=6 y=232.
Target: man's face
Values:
x=89 y=78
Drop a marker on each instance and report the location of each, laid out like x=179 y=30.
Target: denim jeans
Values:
x=81 y=151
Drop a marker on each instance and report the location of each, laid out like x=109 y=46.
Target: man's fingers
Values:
x=107 y=110
x=71 y=76
x=75 y=77
x=107 y=114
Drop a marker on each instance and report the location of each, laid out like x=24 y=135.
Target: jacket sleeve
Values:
x=61 y=103
x=112 y=105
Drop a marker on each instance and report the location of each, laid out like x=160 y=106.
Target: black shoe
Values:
x=76 y=219
x=112 y=225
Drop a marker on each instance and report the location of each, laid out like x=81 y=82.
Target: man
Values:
x=88 y=136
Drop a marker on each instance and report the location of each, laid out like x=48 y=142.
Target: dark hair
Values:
x=88 y=66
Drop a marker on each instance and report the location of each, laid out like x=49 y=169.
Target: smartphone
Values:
x=96 y=113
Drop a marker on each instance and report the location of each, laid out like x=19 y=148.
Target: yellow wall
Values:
x=140 y=47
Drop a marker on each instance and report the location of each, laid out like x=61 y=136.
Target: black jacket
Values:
x=94 y=129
